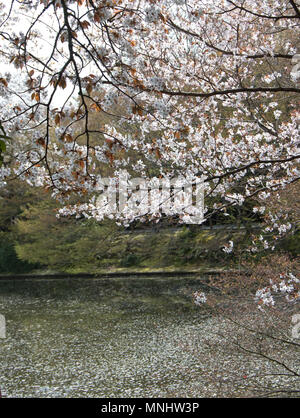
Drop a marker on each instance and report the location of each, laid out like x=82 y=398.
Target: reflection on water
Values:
x=99 y=338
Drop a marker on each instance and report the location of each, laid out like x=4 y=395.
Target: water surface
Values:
x=119 y=337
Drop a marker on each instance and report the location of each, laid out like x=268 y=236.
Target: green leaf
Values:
x=2 y=146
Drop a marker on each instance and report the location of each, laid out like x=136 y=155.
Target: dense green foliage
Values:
x=33 y=238
x=9 y=261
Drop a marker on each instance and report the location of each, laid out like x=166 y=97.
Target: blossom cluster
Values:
x=199 y=298
x=288 y=285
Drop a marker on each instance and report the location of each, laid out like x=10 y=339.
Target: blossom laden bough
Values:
x=192 y=88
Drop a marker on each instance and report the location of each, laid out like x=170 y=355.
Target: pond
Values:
x=117 y=337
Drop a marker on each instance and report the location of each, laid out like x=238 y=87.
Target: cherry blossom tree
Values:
x=196 y=89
